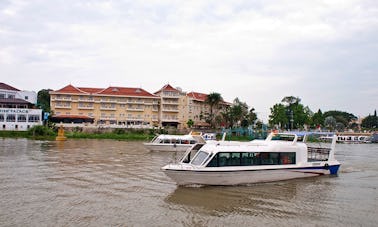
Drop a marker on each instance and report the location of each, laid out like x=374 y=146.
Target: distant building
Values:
x=134 y=107
x=198 y=109
x=17 y=109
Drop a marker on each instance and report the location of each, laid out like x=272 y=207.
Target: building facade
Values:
x=167 y=107
x=112 y=105
x=16 y=110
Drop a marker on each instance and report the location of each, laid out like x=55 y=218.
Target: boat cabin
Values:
x=282 y=149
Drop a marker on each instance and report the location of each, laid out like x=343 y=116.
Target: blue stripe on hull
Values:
x=333 y=169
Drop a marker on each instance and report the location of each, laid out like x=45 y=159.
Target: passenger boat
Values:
x=354 y=137
x=174 y=142
x=278 y=157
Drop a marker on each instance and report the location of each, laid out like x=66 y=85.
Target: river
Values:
x=118 y=183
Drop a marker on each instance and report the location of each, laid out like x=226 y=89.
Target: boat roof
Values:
x=253 y=146
x=182 y=137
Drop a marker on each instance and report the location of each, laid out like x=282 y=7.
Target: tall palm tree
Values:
x=213 y=99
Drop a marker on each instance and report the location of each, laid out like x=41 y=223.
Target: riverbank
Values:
x=132 y=136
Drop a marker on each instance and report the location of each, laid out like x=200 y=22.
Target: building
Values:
x=172 y=101
x=112 y=105
x=198 y=109
x=17 y=109
x=167 y=107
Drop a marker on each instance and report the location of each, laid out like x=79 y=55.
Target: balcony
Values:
x=135 y=102
x=172 y=110
x=135 y=109
x=108 y=101
x=108 y=108
x=85 y=100
x=134 y=119
x=165 y=102
x=61 y=98
x=63 y=106
x=170 y=120
x=85 y=107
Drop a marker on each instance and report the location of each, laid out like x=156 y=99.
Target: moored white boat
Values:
x=173 y=142
x=235 y=163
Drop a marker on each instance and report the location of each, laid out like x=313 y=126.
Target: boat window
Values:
x=235 y=159
x=252 y=159
x=269 y=158
x=284 y=137
x=192 y=142
x=224 y=159
x=287 y=158
x=167 y=141
x=200 y=157
x=214 y=161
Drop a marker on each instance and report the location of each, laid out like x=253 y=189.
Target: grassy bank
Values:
x=46 y=133
x=25 y=134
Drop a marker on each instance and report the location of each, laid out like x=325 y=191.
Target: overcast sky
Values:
x=323 y=51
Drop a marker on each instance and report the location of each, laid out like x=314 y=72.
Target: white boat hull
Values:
x=240 y=177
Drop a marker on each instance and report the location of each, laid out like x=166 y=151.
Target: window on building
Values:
x=1 y=117
x=11 y=118
x=21 y=118
x=34 y=118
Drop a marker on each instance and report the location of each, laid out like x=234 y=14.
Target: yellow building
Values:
x=112 y=105
x=168 y=106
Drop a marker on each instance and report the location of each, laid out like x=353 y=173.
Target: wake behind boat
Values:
x=174 y=142
x=279 y=157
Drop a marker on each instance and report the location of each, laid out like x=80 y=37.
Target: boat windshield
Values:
x=199 y=158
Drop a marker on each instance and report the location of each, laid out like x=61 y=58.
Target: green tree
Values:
x=340 y=116
x=278 y=115
x=190 y=123
x=330 y=122
x=213 y=99
x=318 y=119
x=290 y=100
x=251 y=116
x=43 y=99
x=370 y=121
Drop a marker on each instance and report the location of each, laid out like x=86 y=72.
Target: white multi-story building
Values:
x=16 y=109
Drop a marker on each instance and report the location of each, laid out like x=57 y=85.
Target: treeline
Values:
x=292 y=114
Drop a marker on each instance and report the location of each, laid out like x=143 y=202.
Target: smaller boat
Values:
x=281 y=156
x=167 y=142
x=354 y=138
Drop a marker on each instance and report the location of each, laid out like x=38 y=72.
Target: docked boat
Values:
x=174 y=142
x=278 y=157
x=354 y=138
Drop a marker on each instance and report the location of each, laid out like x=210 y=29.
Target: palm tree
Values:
x=213 y=99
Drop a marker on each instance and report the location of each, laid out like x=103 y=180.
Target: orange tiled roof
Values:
x=167 y=87
x=126 y=91
x=120 y=91
x=198 y=96
x=70 y=89
x=91 y=90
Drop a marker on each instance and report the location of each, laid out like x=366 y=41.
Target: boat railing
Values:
x=318 y=153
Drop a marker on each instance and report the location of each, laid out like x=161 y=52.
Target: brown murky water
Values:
x=116 y=183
